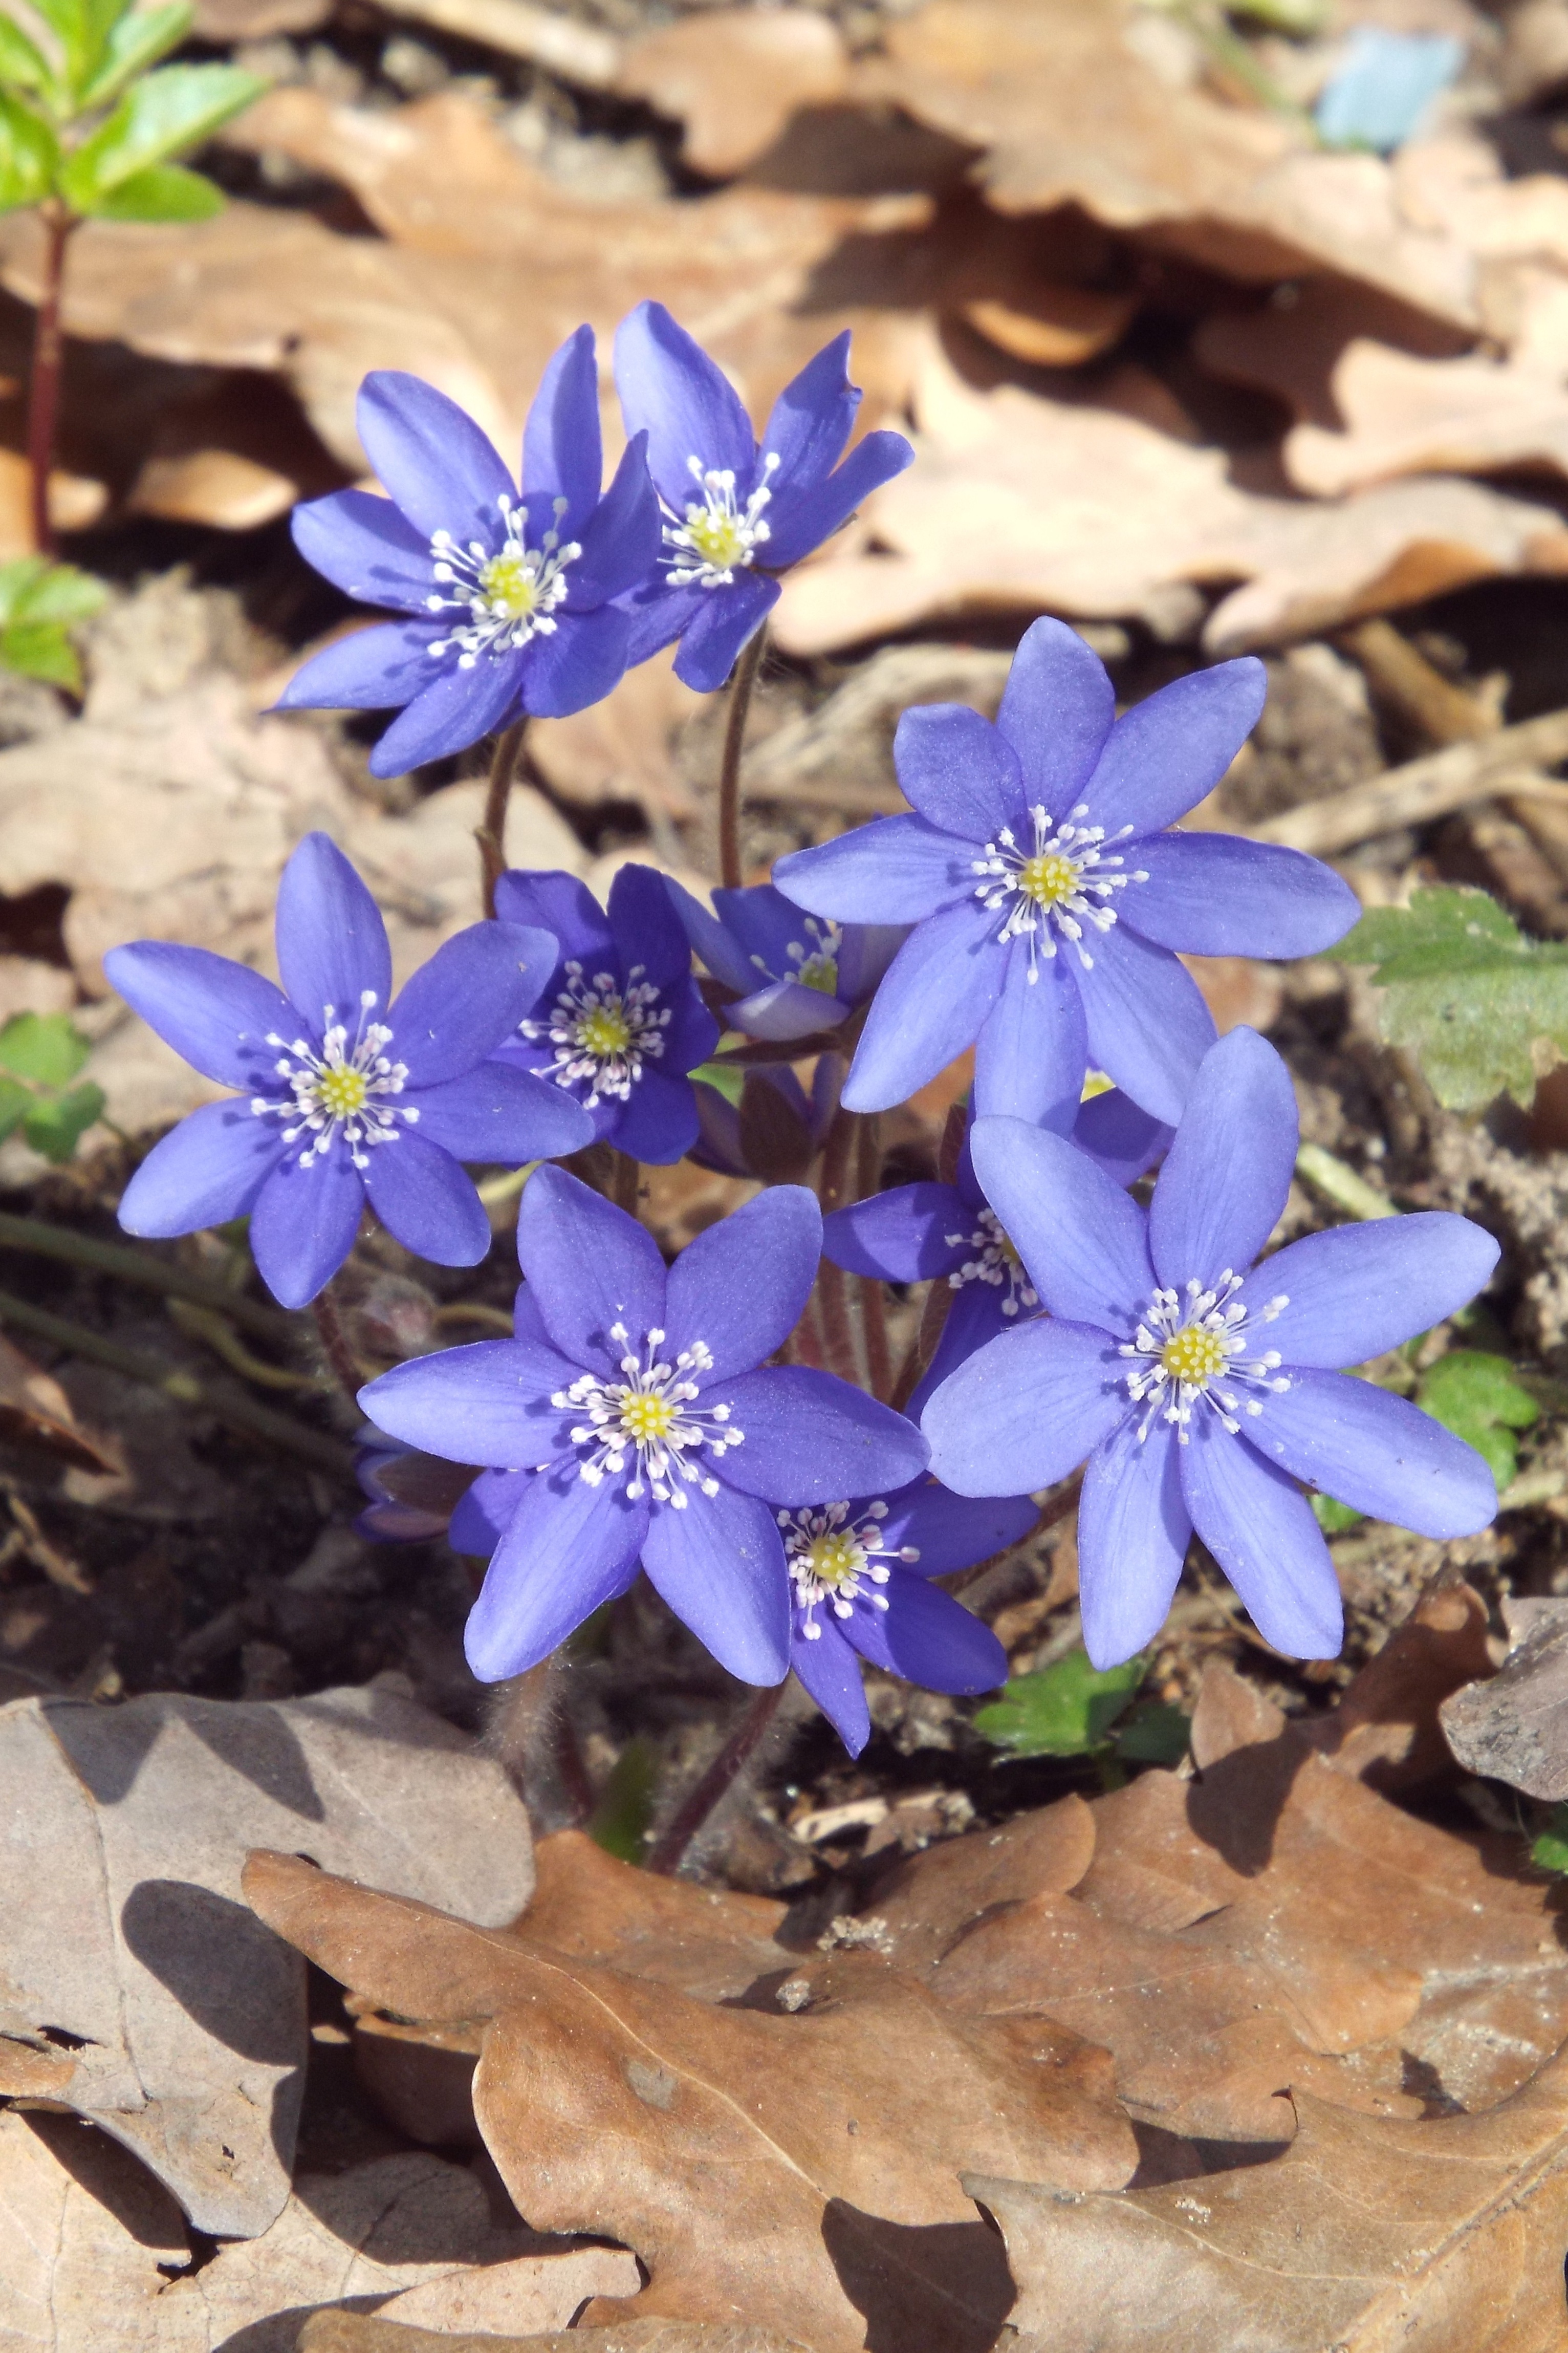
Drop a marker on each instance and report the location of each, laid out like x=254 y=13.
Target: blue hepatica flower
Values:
x=792 y=974
x=1203 y=1388
x=736 y=514
x=621 y=1022
x=510 y=595
x=914 y=1233
x=634 y=1396
x=1383 y=86
x=342 y=1097
x=1046 y=833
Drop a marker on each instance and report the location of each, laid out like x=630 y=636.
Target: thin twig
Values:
x=48 y=361
x=491 y=835
x=44 y=1240
x=1506 y=765
x=741 y=692
x=668 y=1849
x=335 y=1348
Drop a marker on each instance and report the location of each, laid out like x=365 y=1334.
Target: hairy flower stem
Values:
x=625 y=1183
x=335 y=1345
x=873 y=1322
x=668 y=1849
x=49 y=356
x=491 y=835
x=741 y=692
x=922 y=1348
x=836 y=1190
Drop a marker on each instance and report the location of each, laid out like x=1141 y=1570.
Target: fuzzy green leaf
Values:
x=1064 y=1710
x=50 y=591
x=1478 y=1398
x=16 y=1102
x=22 y=66
x=165 y=192
x=168 y=113
x=1465 y=992
x=136 y=42
x=56 y=1129
x=41 y=650
x=29 y=155
x=45 y=1048
x=1154 y=1733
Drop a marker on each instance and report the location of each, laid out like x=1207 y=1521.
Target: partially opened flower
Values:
x=510 y=595
x=736 y=513
x=621 y=1021
x=772 y=1128
x=343 y=1098
x=1204 y=1389
x=791 y=974
x=1048 y=897
x=924 y=1232
x=411 y=1496
x=858 y=1572
x=642 y=1401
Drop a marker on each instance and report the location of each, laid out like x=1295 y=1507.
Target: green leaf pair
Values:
x=38 y=603
x=1072 y=1709
x=40 y=1054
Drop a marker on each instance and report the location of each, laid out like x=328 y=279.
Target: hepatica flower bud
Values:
x=509 y=594
x=735 y=512
x=1204 y=1388
x=644 y=1406
x=345 y=1097
x=1047 y=896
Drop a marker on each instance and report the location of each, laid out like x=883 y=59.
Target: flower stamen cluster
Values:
x=816 y=959
x=510 y=597
x=997 y=1263
x=342 y=1090
x=602 y=1034
x=1189 y=1350
x=647 y=1420
x=717 y=535
x=831 y=1562
x=1058 y=882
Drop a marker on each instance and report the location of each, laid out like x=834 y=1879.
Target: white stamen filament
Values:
x=1197 y=1351
x=999 y=1263
x=342 y=1090
x=649 y=1422
x=717 y=535
x=601 y=1033
x=830 y=1562
x=508 y=592
x=1065 y=880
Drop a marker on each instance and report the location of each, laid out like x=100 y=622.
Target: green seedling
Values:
x=1478 y=1398
x=40 y=1054
x=39 y=601
x=1548 y=1852
x=1072 y=1709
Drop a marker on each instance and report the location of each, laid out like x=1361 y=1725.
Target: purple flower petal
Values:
x=365 y=547
x=421 y=1195
x=740 y=1288
x=656 y=614
x=928 y=1638
x=718 y=1145
x=813 y=416
x=216 y=1014
x=648 y=931
x=583 y=661
x=659 y=1126
x=1132 y=1530
x=570 y=1547
x=1215 y=894
x=974 y=1320
x=894 y=870
x=443 y=472
x=1149 y=1027
x=1223 y=1185
x=503 y=1115
x=332 y=942
x=934 y=1002
x=1377 y=1452
x=208 y=1169
x=452 y=712
x=588 y=1266
x=1030 y=1057
x=1358 y=1290
x=720 y=1565
x=484 y=1511
x=952 y=1532
x=466 y=998
x=620 y=541
x=830 y=1672
x=812 y=1439
x=1124 y=1140
x=1165 y=754
x=1259 y=1527
x=903 y=1235
x=563 y=451
x=808 y=516
x=1084 y=1242
x=378 y=668
x=303 y=1225
x=784 y=1009
x=957 y=771
x=864 y=953
x=721 y=940
x=558 y=903
x=725 y=620
x=1022 y=1412
x=490 y=1398
x=1058 y=709
x=672 y=390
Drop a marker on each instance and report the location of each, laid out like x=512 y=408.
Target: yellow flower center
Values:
x=819 y=972
x=509 y=587
x=1193 y=1355
x=647 y=1414
x=717 y=537
x=832 y=1558
x=342 y=1092
x=1095 y=1082
x=1048 y=879
x=605 y=1031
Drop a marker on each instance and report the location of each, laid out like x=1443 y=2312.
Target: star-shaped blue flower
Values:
x=621 y=1021
x=642 y=1401
x=1048 y=897
x=1204 y=1389
x=344 y=1098
x=511 y=594
x=736 y=512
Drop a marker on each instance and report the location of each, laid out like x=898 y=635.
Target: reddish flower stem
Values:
x=873 y=1321
x=48 y=357
x=668 y=1849
x=491 y=835
x=741 y=692
x=335 y=1346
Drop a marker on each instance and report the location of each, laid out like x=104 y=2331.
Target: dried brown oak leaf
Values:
x=735 y=77
x=37 y=1419
x=803 y=2164
x=1514 y=1724
x=125 y=1953
x=1385 y=1729
x=345 y=2332
x=83 y=2230
x=1439 y=2237
x=1018 y=502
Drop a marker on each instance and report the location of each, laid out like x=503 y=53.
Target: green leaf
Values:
x=22 y=66
x=84 y=28
x=161 y=117
x=41 y=650
x=29 y=155
x=1334 y=1518
x=56 y=1129
x=1154 y=1733
x=1478 y=1398
x=47 y=1047
x=136 y=42
x=17 y=580
x=1550 y=1851
x=1063 y=1710
x=725 y=1078
x=165 y=192
x=624 y=1812
x=52 y=592
x=1466 y=993
x=16 y=1102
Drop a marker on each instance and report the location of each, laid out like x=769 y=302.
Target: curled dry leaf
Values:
x=345 y=2332
x=797 y=2163
x=125 y=1955
x=37 y=1418
x=735 y=77
x=1514 y=1726
x=1385 y=1729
